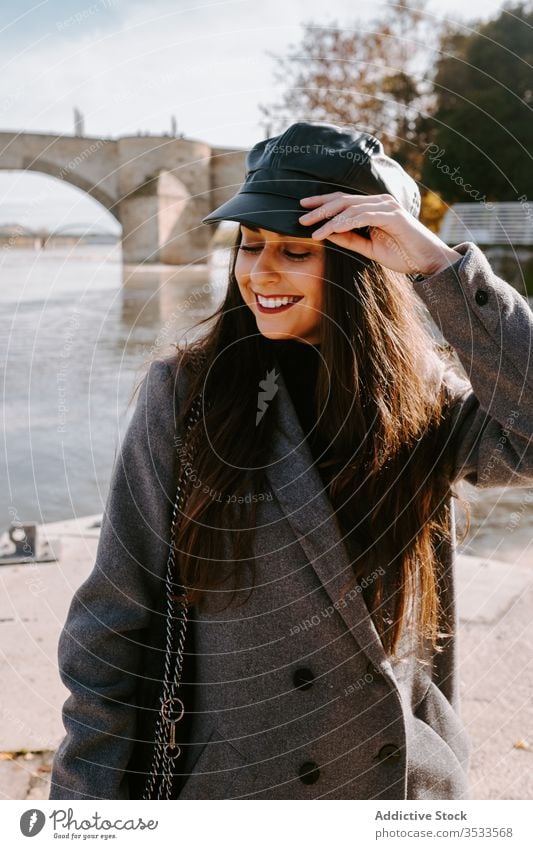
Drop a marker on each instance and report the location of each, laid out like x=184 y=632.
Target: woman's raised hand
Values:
x=397 y=239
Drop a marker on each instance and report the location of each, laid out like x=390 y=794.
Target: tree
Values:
x=481 y=129
x=368 y=74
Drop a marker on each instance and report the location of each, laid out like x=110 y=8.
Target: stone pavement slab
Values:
x=496 y=673
x=34 y=601
x=488 y=588
x=495 y=601
x=25 y=776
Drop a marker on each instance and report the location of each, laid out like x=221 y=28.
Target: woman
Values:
x=317 y=539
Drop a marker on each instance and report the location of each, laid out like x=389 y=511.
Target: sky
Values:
x=130 y=65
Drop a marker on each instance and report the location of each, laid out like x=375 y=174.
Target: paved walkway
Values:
x=496 y=665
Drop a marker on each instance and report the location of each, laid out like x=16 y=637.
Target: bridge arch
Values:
x=74 y=178
x=157 y=187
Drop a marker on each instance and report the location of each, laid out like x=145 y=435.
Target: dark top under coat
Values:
x=299 y=362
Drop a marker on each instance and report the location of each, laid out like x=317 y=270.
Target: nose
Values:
x=264 y=266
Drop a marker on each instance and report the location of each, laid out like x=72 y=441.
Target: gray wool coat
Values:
x=290 y=696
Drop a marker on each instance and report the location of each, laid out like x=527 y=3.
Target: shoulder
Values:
x=166 y=379
x=154 y=415
x=153 y=390
x=157 y=380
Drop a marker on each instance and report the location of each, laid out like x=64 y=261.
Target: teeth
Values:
x=273 y=303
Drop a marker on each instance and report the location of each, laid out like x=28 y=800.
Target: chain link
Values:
x=160 y=781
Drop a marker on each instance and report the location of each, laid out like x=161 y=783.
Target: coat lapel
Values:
x=300 y=491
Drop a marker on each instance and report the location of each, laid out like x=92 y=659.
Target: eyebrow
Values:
x=283 y=237
x=259 y=229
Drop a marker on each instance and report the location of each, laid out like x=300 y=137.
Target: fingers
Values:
x=313 y=200
x=353 y=242
x=348 y=206
x=351 y=219
x=324 y=207
x=325 y=211
x=346 y=199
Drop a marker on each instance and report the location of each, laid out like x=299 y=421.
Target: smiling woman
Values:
x=281 y=279
x=359 y=455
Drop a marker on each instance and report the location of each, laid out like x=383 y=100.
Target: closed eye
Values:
x=252 y=249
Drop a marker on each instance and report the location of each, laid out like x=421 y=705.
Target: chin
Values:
x=277 y=334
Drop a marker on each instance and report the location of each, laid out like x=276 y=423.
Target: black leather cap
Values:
x=311 y=159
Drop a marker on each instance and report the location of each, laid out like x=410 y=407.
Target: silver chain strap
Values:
x=166 y=751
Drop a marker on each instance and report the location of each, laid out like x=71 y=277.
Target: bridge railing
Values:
x=509 y=223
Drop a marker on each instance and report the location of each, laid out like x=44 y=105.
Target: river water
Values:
x=78 y=329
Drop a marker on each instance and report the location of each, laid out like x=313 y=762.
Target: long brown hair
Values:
x=384 y=420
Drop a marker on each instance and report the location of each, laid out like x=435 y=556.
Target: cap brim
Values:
x=270 y=212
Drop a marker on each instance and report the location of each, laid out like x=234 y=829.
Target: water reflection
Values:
x=171 y=298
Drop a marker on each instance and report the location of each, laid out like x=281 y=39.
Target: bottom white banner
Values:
x=247 y=823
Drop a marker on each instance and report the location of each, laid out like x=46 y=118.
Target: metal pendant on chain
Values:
x=159 y=784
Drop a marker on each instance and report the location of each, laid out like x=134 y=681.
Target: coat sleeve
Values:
x=490 y=326
x=100 y=645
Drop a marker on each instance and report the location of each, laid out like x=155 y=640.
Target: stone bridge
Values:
x=157 y=187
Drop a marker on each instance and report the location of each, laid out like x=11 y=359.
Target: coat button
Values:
x=390 y=753
x=481 y=297
x=303 y=678
x=309 y=772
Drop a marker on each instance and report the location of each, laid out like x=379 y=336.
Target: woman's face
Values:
x=269 y=266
